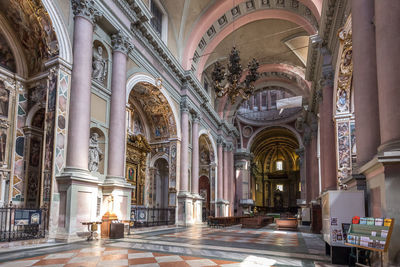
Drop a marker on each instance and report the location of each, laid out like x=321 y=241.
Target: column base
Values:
x=117 y=195
x=78 y=192
x=185 y=209
x=222 y=208
x=198 y=208
x=382 y=185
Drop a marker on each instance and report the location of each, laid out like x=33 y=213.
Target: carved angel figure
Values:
x=95 y=153
x=99 y=65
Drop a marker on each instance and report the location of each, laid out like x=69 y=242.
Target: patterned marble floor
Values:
x=111 y=256
x=195 y=246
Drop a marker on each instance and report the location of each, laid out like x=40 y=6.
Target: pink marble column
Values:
x=79 y=109
x=184 y=147
x=220 y=171
x=116 y=144
x=365 y=80
x=387 y=21
x=195 y=154
x=328 y=148
x=226 y=173
x=252 y=102
x=232 y=184
x=259 y=95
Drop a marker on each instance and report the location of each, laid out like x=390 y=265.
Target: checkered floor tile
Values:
x=287 y=239
x=109 y=257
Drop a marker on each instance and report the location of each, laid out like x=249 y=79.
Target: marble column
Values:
x=226 y=173
x=231 y=179
x=116 y=143
x=387 y=21
x=259 y=95
x=185 y=200
x=328 y=148
x=365 y=80
x=220 y=173
x=184 y=181
x=195 y=154
x=197 y=199
x=252 y=102
x=76 y=186
x=79 y=109
x=115 y=187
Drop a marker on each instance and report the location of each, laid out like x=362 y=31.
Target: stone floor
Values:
x=194 y=246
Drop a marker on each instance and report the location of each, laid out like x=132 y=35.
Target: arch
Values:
x=212 y=141
x=290 y=128
x=215 y=12
x=32 y=112
x=143 y=77
x=64 y=43
x=15 y=46
x=159 y=155
x=255 y=16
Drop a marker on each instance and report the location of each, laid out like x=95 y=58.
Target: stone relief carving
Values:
x=95 y=153
x=99 y=65
x=345 y=74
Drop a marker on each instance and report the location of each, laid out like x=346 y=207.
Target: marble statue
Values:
x=95 y=153
x=99 y=65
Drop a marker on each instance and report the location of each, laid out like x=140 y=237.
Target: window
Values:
x=156 y=21
x=279 y=165
x=279 y=187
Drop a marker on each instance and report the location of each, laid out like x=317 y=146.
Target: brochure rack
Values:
x=370 y=237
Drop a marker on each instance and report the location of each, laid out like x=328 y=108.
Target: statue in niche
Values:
x=99 y=65
x=95 y=153
x=3 y=101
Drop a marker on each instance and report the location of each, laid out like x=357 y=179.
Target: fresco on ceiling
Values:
x=6 y=56
x=33 y=28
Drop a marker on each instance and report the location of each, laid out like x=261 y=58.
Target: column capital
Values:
x=220 y=141
x=185 y=107
x=327 y=76
x=196 y=117
x=86 y=9
x=121 y=43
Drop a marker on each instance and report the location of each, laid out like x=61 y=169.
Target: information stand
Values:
x=370 y=237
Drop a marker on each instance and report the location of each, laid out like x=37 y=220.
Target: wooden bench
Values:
x=286 y=223
x=224 y=221
x=257 y=221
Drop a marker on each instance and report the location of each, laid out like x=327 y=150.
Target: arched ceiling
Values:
x=31 y=25
x=275 y=32
x=274 y=144
x=265 y=44
x=154 y=105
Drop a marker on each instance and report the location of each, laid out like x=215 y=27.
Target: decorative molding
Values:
x=86 y=9
x=121 y=43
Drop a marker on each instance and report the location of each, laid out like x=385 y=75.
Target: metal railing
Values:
x=146 y=217
x=22 y=224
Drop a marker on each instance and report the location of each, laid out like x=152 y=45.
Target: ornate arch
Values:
x=146 y=78
x=218 y=14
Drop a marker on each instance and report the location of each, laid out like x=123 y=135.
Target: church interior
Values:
x=199 y=133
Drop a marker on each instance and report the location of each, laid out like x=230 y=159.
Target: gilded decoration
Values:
x=136 y=154
x=156 y=106
x=346 y=150
x=345 y=73
x=34 y=28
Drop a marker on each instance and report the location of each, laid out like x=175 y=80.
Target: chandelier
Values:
x=234 y=87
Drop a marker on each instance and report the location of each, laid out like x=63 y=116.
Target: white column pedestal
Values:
x=198 y=209
x=185 y=209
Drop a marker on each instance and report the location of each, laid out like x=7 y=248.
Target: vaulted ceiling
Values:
x=276 y=32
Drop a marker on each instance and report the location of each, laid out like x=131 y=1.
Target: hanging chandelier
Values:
x=234 y=87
